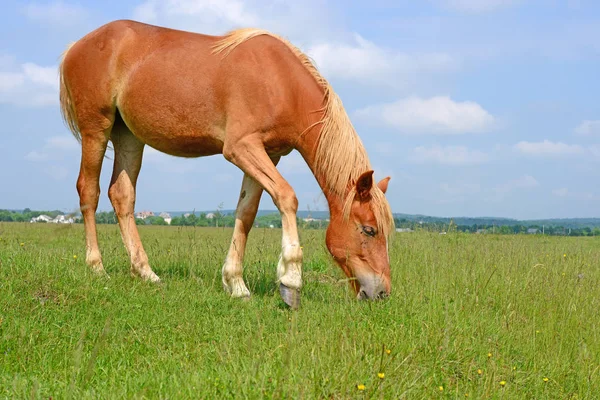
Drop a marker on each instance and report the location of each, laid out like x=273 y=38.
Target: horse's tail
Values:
x=66 y=104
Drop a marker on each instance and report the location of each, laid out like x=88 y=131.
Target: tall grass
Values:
x=481 y=316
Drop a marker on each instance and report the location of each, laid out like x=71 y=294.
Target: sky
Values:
x=473 y=107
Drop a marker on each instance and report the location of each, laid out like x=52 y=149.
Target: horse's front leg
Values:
x=250 y=156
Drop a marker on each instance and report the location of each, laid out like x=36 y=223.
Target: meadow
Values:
x=470 y=316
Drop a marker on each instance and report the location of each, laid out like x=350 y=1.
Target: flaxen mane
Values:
x=340 y=155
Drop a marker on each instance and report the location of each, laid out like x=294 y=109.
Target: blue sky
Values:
x=474 y=107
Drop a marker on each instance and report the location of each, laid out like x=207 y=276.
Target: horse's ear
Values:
x=383 y=184
x=364 y=185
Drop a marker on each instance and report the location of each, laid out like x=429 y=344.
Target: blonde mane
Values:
x=340 y=154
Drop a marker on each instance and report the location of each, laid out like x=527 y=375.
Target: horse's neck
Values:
x=307 y=147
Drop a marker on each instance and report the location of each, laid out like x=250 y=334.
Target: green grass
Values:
x=518 y=308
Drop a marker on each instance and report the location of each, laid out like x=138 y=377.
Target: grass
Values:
x=467 y=313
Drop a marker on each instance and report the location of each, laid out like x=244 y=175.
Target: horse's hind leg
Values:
x=250 y=193
x=128 y=161
x=93 y=147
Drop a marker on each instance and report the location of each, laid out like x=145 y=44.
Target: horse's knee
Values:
x=287 y=201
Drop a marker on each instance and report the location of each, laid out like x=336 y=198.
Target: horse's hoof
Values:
x=99 y=271
x=290 y=296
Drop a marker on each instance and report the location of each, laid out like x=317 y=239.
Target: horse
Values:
x=249 y=95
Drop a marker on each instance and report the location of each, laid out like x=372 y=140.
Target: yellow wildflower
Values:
x=381 y=375
x=479 y=372
x=388 y=351
x=22 y=244
x=546 y=379
x=441 y=388
x=74 y=256
x=360 y=387
x=489 y=355
x=502 y=383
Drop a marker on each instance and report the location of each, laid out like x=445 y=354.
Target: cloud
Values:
x=524 y=182
x=364 y=62
x=548 y=148
x=168 y=163
x=56 y=13
x=566 y=193
x=27 y=84
x=562 y=192
x=449 y=155
x=293 y=163
x=436 y=115
x=588 y=128
x=460 y=189
x=54 y=149
x=476 y=6
x=210 y=16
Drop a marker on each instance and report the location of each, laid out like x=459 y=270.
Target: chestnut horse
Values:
x=249 y=95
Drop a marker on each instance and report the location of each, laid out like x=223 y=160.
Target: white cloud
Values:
x=566 y=193
x=28 y=84
x=364 y=62
x=476 y=6
x=54 y=149
x=293 y=163
x=436 y=115
x=548 y=148
x=588 y=128
x=562 y=192
x=524 y=182
x=449 y=155
x=56 y=13
x=206 y=16
x=458 y=189
x=168 y=163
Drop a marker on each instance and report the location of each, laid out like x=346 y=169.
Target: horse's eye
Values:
x=369 y=231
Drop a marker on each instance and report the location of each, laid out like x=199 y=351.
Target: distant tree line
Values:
x=219 y=219
x=553 y=230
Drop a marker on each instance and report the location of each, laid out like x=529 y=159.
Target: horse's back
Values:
x=178 y=96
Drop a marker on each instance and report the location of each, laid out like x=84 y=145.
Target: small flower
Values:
x=489 y=355
x=515 y=368
x=502 y=383
x=441 y=388
x=381 y=375
x=22 y=244
x=479 y=372
x=74 y=256
x=565 y=255
x=388 y=351
x=466 y=394
x=361 y=387
x=537 y=331
x=546 y=379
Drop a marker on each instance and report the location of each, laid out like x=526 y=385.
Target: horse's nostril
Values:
x=362 y=295
x=382 y=295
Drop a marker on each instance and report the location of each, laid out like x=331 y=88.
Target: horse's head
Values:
x=358 y=238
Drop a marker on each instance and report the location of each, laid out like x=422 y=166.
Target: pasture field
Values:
x=477 y=316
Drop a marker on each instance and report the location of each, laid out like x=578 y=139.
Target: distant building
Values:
x=403 y=230
x=41 y=218
x=166 y=216
x=210 y=215
x=533 y=231
x=59 y=219
x=144 y=214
